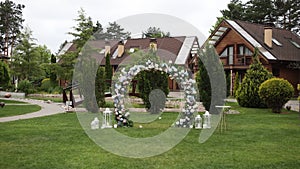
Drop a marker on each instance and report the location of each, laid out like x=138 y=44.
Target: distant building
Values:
x=279 y=49
x=180 y=50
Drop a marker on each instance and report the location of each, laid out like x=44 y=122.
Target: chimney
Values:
x=153 y=44
x=268 y=36
x=107 y=48
x=120 y=48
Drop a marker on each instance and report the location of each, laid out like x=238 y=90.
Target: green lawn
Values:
x=256 y=138
x=53 y=99
x=12 y=110
x=12 y=101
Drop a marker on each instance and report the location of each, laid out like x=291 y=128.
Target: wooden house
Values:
x=279 y=49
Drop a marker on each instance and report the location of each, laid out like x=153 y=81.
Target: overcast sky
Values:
x=50 y=20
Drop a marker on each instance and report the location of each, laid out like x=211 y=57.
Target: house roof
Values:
x=285 y=43
x=176 y=49
x=287 y=51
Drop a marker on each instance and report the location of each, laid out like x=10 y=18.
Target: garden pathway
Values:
x=47 y=108
x=50 y=108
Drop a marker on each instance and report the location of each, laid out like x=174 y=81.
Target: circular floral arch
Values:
x=178 y=73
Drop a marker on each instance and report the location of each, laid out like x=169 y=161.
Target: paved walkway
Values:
x=47 y=109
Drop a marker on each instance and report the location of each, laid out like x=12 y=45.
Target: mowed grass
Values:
x=12 y=110
x=53 y=99
x=12 y=101
x=256 y=138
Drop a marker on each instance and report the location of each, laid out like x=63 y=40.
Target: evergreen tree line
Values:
x=279 y=13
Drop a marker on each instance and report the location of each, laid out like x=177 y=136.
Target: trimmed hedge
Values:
x=275 y=93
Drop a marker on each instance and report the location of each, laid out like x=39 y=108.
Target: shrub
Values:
x=100 y=86
x=247 y=93
x=203 y=85
x=4 y=75
x=150 y=80
x=46 y=85
x=236 y=84
x=275 y=93
x=26 y=87
x=108 y=69
x=228 y=85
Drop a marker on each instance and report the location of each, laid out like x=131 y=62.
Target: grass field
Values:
x=12 y=101
x=256 y=138
x=53 y=99
x=13 y=108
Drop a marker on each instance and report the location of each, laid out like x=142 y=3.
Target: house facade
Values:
x=180 y=50
x=279 y=49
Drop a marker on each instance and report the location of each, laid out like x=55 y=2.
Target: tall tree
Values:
x=10 y=25
x=84 y=29
x=100 y=86
x=288 y=14
x=247 y=93
x=154 y=32
x=260 y=11
x=203 y=84
x=235 y=10
x=52 y=75
x=115 y=31
x=4 y=75
x=281 y=13
x=108 y=68
x=26 y=60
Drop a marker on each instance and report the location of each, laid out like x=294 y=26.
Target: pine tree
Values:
x=235 y=10
x=100 y=86
x=10 y=25
x=154 y=32
x=26 y=60
x=236 y=84
x=53 y=76
x=4 y=75
x=108 y=69
x=115 y=31
x=247 y=94
x=203 y=84
x=84 y=29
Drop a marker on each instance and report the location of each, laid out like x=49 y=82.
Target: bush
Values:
x=26 y=87
x=247 y=93
x=275 y=93
x=46 y=85
x=203 y=85
x=150 y=80
x=236 y=84
x=100 y=86
x=4 y=75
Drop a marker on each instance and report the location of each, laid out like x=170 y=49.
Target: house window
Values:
x=295 y=44
x=243 y=55
x=228 y=52
x=244 y=51
x=276 y=42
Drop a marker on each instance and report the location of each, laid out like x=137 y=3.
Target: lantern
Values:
x=198 y=122
x=206 y=123
x=95 y=124
x=107 y=118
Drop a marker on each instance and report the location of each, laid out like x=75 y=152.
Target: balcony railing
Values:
x=243 y=60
